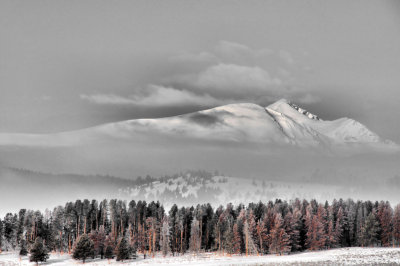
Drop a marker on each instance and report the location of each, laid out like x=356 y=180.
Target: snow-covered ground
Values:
x=342 y=256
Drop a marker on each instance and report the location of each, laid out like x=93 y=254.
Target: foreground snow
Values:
x=343 y=256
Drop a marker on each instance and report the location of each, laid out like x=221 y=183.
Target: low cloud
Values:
x=168 y=96
x=111 y=99
x=156 y=96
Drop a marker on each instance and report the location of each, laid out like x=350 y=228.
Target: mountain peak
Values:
x=284 y=106
x=304 y=111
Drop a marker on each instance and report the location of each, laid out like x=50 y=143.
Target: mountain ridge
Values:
x=281 y=122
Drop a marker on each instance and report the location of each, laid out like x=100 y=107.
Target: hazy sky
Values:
x=71 y=64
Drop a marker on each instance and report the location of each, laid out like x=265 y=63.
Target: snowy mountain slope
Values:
x=340 y=130
x=234 y=122
x=280 y=123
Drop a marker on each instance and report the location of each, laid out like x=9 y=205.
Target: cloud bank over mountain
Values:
x=231 y=72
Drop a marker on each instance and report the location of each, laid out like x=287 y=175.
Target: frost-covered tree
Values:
x=195 y=240
x=10 y=225
x=164 y=237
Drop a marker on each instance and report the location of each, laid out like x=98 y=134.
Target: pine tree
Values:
x=257 y=228
x=316 y=236
x=396 y=224
x=152 y=225
x=174 y=236
x=195 y=240
x=10 y=224
x=98 y=238
x=237 y=240
x=331 y=239
x=22 y=248
x=253 y=230
x=369 y=231
x=340 y=224
x=229 y=237
x=20 y=230
x=1 y=235
x=38 y=252
x=262 y=236
x=109 y=254
x=293 y=225
x=164 y=237
x=349 y=223
x=58 y=226
x=249 y=241
x=385 y=220
x=84 y=248
x=123 y=251
x=280 y=240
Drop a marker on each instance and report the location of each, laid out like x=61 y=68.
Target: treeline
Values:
x=278 y=227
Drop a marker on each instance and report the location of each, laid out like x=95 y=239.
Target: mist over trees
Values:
x=117 y=229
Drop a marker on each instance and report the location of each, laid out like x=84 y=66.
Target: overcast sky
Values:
x=65 y=65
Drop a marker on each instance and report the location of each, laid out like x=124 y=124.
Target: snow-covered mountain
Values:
x=282 y=123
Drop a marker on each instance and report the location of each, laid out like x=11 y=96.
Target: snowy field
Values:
x=343 y=256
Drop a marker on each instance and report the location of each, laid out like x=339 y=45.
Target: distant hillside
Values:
x=19 y=186
x=193 y=188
